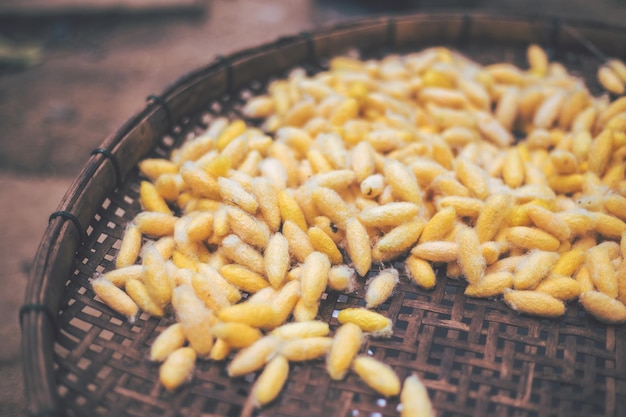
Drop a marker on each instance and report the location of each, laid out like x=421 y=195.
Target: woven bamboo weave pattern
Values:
x=476 y=357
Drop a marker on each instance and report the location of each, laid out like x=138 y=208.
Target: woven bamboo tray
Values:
x=477 y=357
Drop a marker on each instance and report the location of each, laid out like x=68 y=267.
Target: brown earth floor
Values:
x=96 y=71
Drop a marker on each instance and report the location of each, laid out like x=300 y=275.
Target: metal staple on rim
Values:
x=69 y=216
x=37 y=307
x=116 y=165
x=163 y=104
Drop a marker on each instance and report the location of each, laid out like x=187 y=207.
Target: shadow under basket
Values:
x=476 y=357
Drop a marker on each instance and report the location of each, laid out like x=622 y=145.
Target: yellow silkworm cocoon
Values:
x=267 y=198
x=243 y=278
x=285 y=301
x=256 y=107
x=156 y=279
x=507 y=108
x=153 y=168
x=185 y=261
x=290 y=210
x=490 y=285
x=472 y=177
x=390 y=214
x=373 y=185
x=243 y=254
x=115 y=298
x=337 y=180
x=314 y=278
x=614 y=203
x=438 y=251
x=377 y=375
x=561 y=287
x=426 y=170
x=233 y=193
x=369 y=321
x=566 y=184
x=323 y=243
x=303 y=312
x=151 y=200
x=609 y=226
x=201 y=183
x=549 y=221
x=564 y=161
x=308 y=348
x=299 y=114
x=414 y=399
x=401 y=238
x=219 y=283
x=533 y=269
x=548 y=111
x=155 y=224
x=358 y=246
x=120 y=276
x=248 y=228
x=300 y=245
x=493 y=131
x=331 y=205
x=130 y=246
x=220 y=350
x=302 y=329
x=470 y=255
x=532 y=238
x=380 y=288
x=363 y=161
x=236 y=335
x=610 y=80
x=168 y=341
x=491 y=251
x=200 y=226
x=277 y=259
x=421 y=272
x=475 y=93
x=324 y=223
x=601 y=271
x=447 y=185
x=139 y=294
x=569 y=262
x=513 y=168
x=342 y=278
x=195 y=318
x=229 y=133
x=579 y=221
x=443 y=96
x=538 y=60
x=600 y=152
x=271 y=381
x=177 y=368
x=264 y=296
x=534 y=303
x=464 y=206
x=214 y=296
x=507 y=264
x=402 y=181
x=254 y=357
x=618 y=67
x=346 y=344
x=603 y=307
x=439 y=225
x=259 y=315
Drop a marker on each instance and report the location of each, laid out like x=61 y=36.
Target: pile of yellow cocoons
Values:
x=510 y=179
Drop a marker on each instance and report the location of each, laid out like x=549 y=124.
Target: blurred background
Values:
x=72 y=71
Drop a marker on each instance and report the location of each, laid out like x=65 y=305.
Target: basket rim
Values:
x=61 y=240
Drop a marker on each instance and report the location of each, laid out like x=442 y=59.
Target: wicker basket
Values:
x=476 y=357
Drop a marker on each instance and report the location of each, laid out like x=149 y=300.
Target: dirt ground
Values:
x=96 y=71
